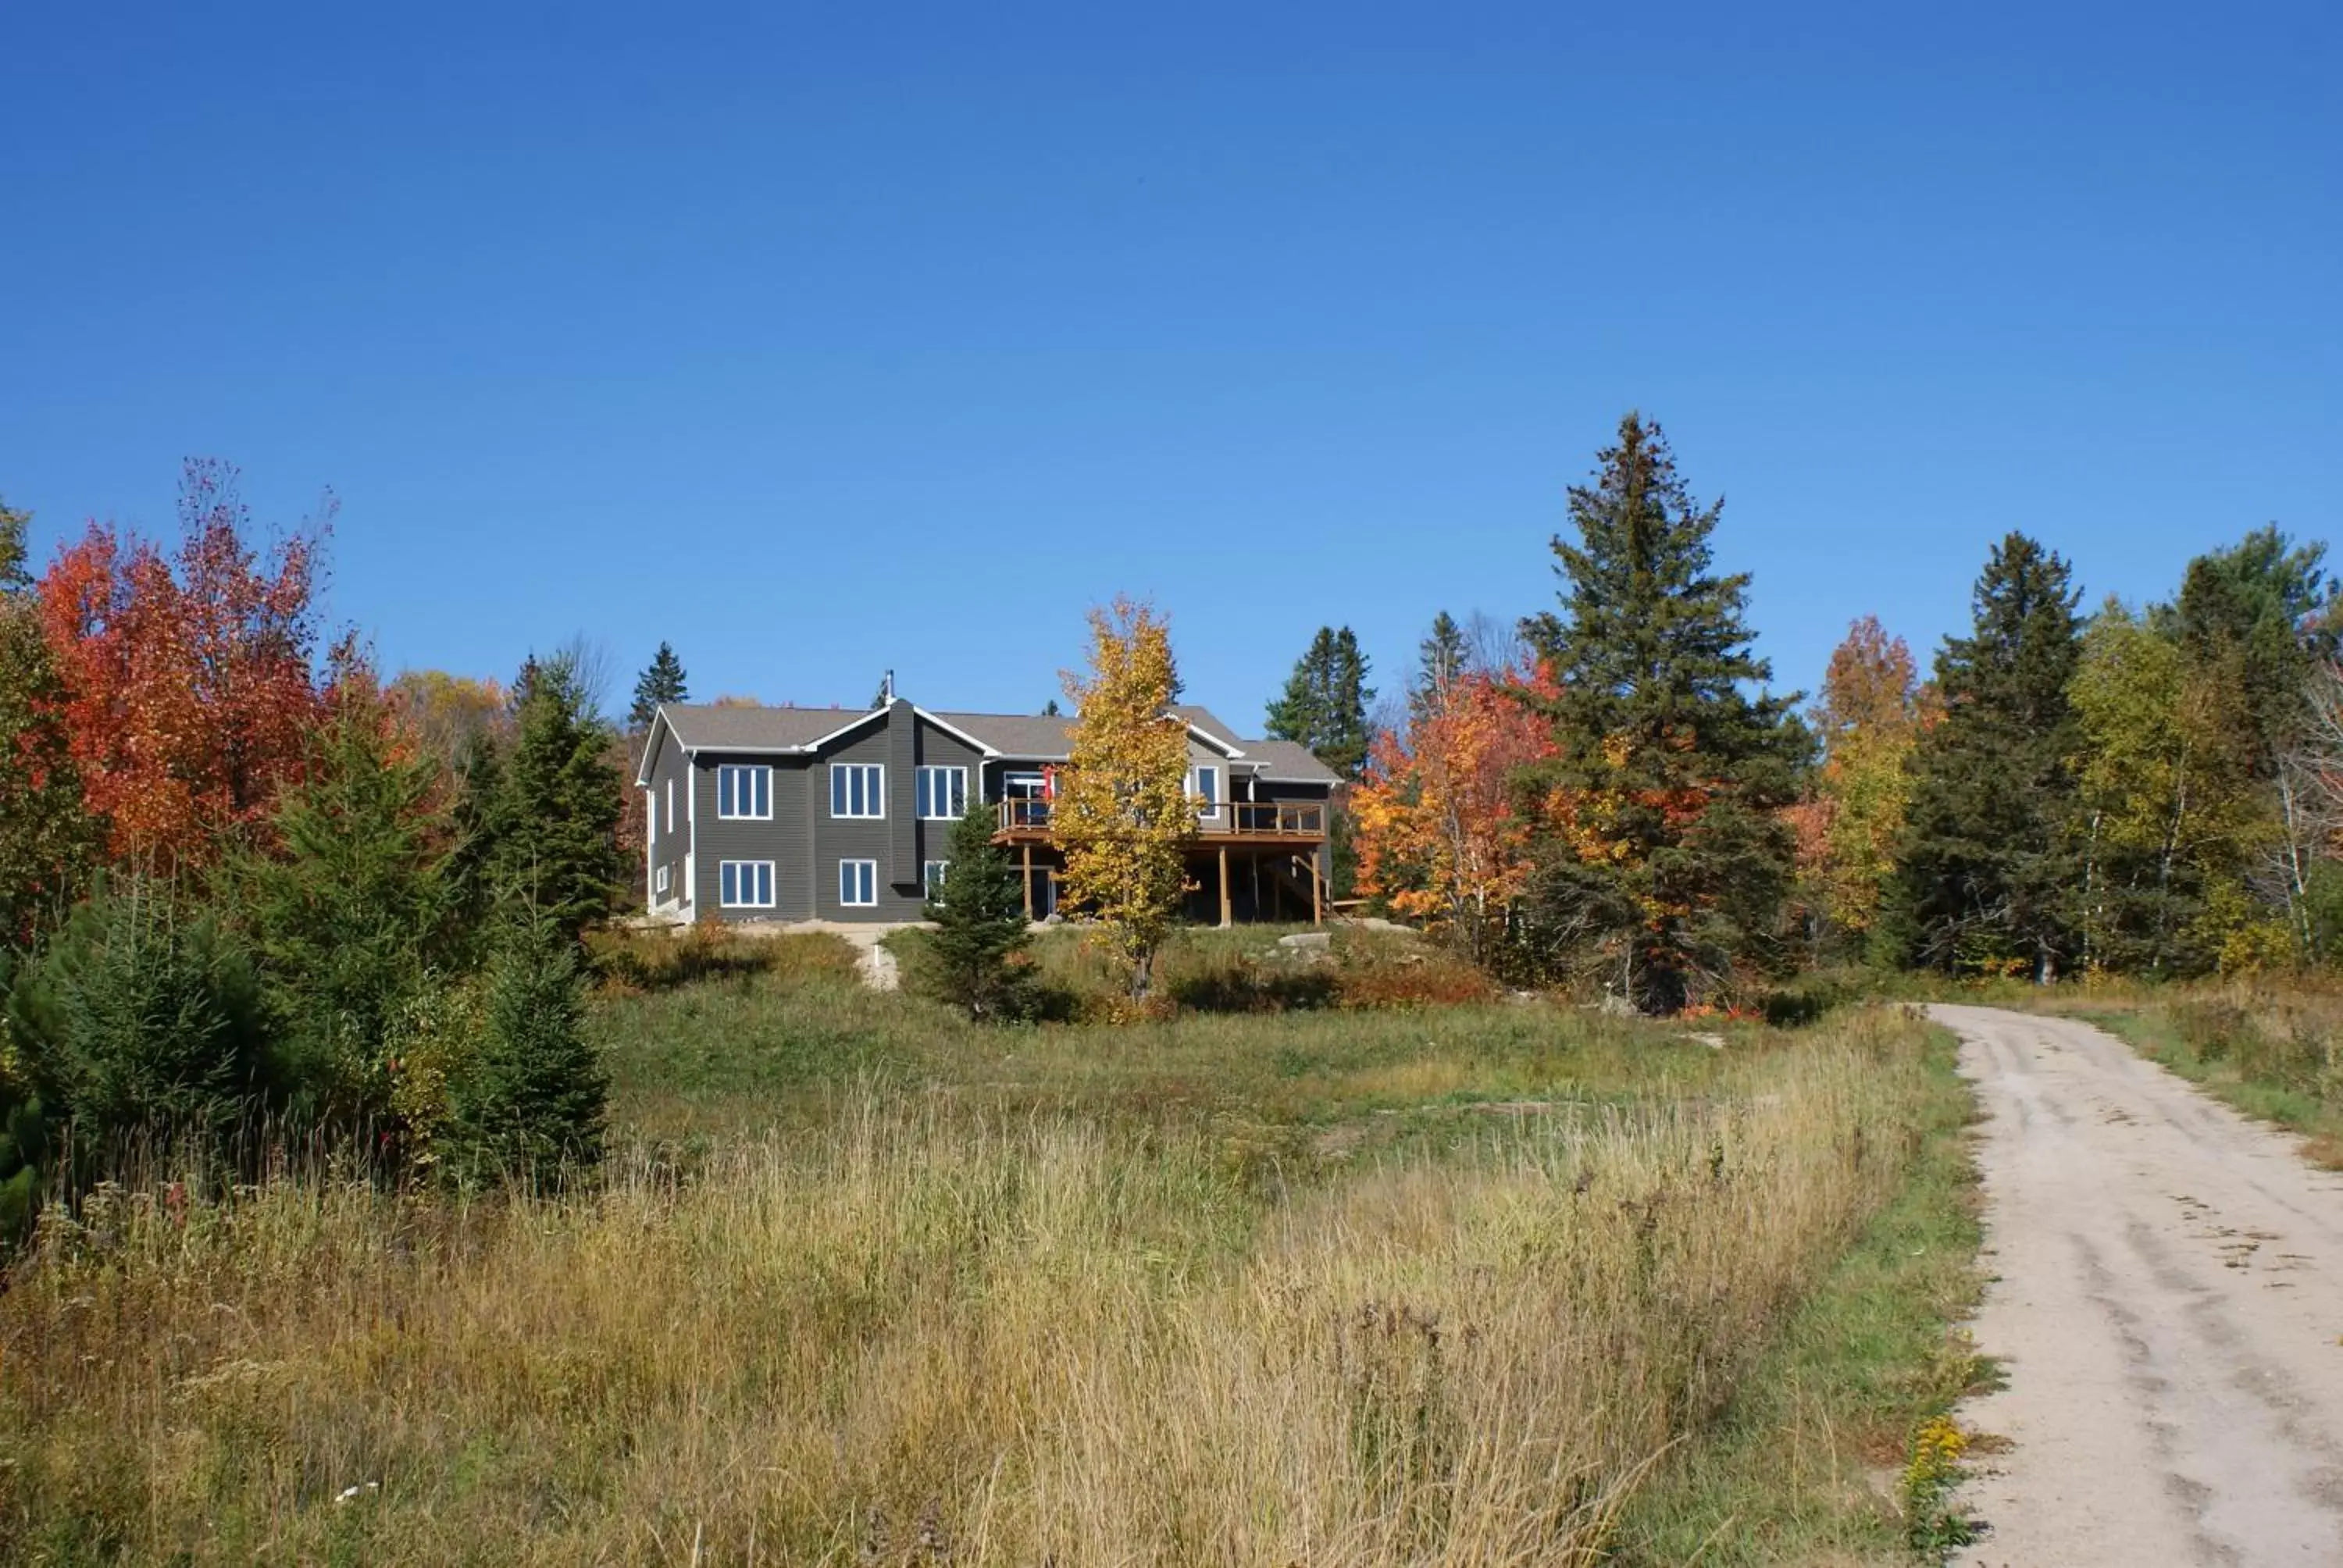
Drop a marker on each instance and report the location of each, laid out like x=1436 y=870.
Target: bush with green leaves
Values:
x=531 y=1103
x=976 y=955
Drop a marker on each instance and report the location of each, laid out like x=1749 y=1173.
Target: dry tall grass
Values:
x=913 y=1336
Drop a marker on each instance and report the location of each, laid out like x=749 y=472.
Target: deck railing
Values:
x=1232 y=818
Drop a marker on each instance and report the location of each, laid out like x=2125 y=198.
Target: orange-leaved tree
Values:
x=191 y=680
x=1443 y=830
x=1872 y=710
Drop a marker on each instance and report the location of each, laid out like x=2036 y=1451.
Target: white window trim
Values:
x=658 y=883
x=876 y=794
x=870 y=903
x=942 y=874
x=927 y=770
x=670 y=805
x=1195 y=777
x=744 y=767
x=764 y=903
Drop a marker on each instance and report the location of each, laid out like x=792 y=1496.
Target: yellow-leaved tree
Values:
x=1124 y=815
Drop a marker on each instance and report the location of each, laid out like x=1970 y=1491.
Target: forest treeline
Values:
x=244 y=881
x=250 y=893
x=1608 y=794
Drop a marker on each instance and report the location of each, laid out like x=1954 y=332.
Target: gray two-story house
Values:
x=819 y=814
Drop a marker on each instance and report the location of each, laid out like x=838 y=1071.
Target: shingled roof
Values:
x=733 y=727
x=1038 y=738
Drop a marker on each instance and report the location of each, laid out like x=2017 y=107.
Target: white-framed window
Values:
x=858 y=883
x=670 y=805
x=931 y=875
x=1204 y=783
x=744 y=790
x=658 y=883
x=943 y=794
x=745 y=884
x=858 y=790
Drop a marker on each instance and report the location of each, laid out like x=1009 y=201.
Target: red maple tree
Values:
x=191 y=679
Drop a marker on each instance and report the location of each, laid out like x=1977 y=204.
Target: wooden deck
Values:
x=1269 y=824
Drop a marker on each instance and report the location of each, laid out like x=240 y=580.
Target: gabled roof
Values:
x=707 y=727
x=1211 y=730
x=1289 y=761
x=1035 y=738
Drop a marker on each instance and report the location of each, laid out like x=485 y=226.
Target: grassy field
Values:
x=1345 y=1283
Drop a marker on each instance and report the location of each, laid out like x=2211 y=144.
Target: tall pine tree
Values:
x=1990 y=873
x=1441 y=657
x=1669 y=860
x=353 y=915
x=554 y=832
x=1324 y=704
x=2257 y=617
x=660 y=681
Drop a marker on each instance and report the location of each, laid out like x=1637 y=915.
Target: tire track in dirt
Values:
x=2168 y=1310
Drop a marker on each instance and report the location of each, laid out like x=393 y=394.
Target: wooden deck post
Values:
x=1026 y=881
x=1317 y=915
x=1225 y=920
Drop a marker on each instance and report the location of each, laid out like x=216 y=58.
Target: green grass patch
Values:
x=2273 y=1058
x=1807 y=1463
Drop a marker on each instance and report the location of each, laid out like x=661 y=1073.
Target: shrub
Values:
x=142 y=1016
x=1378 y=968
x=532 y=1101
x=975 y=958
x=23 y=1159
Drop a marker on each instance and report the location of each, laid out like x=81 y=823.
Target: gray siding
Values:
x=805 y=843
x=902 y=864
x=671 y=781
x=837 y=839
x=780 y=841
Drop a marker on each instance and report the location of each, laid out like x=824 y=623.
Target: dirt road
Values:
x=2168 y=1308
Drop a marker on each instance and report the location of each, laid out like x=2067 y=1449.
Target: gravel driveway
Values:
x=2168 y=1310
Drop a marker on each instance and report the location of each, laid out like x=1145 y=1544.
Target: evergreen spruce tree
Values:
x=475 y=818
x=47 y=838
x=2258 y=616
x=1670 y=861
x=142 y=1014
x=977 y=950
x=1441 y=658
x=354 y=915
x=1324 y=704
x=554 y=831
x=661 y=681
x=1990 y=872
x=533 y=1103
x=24 y=1160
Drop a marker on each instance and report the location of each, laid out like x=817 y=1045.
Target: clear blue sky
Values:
x=819 y=339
